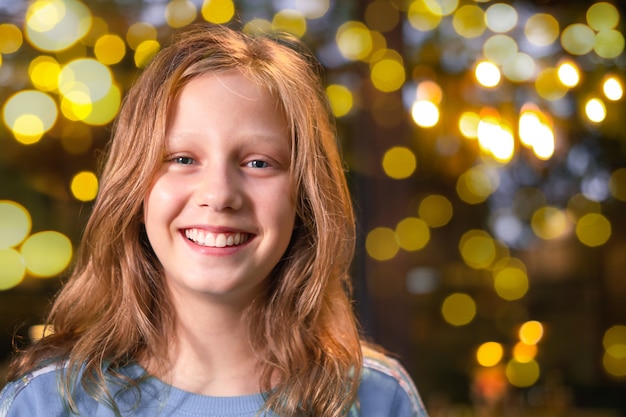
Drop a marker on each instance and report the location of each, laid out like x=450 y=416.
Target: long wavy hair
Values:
x=114 y=309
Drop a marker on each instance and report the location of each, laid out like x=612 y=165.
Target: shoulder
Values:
x=37 y=390
x=386 y=388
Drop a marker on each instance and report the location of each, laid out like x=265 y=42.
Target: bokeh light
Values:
x=495 y=138
x=468 y=124
x=602 y=16
x=476 y=184
x=13 y=269
x=614 y=343
x=531 y=332
x=549 y=223
x=388 y=74
x=499 y=49
x=179 y=13
x=609 y=44
x=510 y=283
x=435 y=210
x=340 y=98
x=354 y=40
x=140 y=32
x=44 y=73
x=29 y=114
x=548 y=85
x=424 y=15
x=290 y=21
x=617 y=184
x=478 y=249
x=425 y=113
x=489 y=354
x=84 y=186
x=55 y=25
x=218 y=11
x=613 y=88
x=578 y=39
x=46 y=254
x=110 y=49
x=522 y=374
x=542 y=29
x=399 y=162
x=412 y=233
x=469 y=21
x=579 y=205
x=312 y=9
x=458 y=309
x=15 y=223
x=519 y=68
x=487 y=74
x=593 y=229
x=595 y=110
x=145 y=51
x=11 y=38
x=501 y=17
x=568 y=73
x=524 y=353
x=535 y=131
x=381 y=244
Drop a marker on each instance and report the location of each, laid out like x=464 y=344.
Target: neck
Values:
x=212 y=354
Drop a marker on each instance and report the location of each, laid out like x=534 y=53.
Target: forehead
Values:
x=228 y=104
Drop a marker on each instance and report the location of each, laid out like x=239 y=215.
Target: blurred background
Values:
x=485 y=145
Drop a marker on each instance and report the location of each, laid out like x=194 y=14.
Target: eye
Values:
x=183 y=160
x=257 y=163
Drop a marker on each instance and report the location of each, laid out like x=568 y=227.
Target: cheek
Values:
x=156 y=204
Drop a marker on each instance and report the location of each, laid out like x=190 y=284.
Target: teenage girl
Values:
x=212 y=279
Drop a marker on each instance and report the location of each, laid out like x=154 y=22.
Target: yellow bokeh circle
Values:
x=13 y=269
x=412 y=233
x=399 y=162
x=110 y=49
x=381 y=244
x=549 y=223
x=531 y=332
x=478 y=249
x=489 y=354
x=84 y=186
x=290 y=21
x=593 y=229
x=458 y=309
x=522 y=374
x=218 y=11
x=340 y=99
x=46 y=253
x=436 y=210
x=511 y=283
x=15 y=223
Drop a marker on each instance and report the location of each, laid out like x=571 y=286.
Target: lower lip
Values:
x=213 y=250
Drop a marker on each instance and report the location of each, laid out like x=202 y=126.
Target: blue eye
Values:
x=257 y=163
x=183 y=160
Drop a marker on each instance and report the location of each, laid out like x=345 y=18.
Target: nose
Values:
x=219 y=188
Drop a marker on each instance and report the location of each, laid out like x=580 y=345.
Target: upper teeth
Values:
x=218 y=240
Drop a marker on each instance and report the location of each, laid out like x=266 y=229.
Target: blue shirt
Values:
x=386 y=390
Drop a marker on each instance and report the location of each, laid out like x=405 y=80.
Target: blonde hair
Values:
x=114 y=309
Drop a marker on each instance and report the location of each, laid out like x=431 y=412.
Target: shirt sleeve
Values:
x=387 y=390
x=33 y=395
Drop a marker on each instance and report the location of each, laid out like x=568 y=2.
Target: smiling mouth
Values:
x=216 y=240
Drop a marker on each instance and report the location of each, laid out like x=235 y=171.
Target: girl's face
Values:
x=220 y=211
